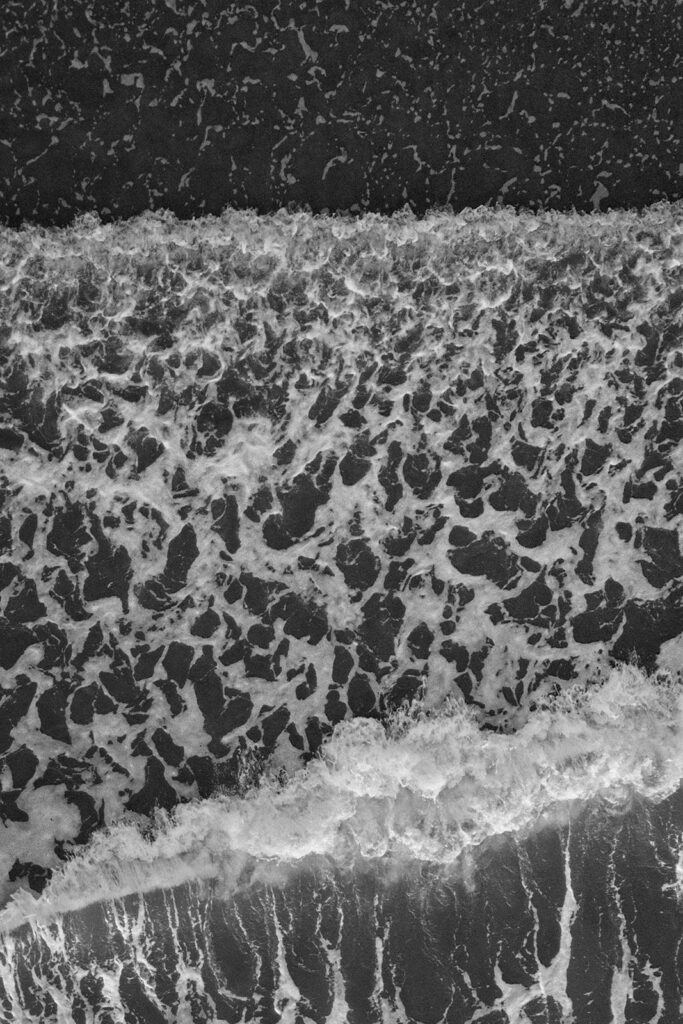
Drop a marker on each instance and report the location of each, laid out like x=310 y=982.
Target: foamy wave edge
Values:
x=425 y=788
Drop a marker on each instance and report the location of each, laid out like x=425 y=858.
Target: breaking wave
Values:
x=425 y=788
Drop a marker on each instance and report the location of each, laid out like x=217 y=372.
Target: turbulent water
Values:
x=421 y=872
x=340 y=619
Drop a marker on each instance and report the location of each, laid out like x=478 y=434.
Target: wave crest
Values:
x=427 y=787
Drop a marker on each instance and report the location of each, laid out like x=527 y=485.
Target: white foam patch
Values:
x=429 y=789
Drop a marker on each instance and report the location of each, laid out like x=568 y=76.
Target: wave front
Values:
x=428 y=872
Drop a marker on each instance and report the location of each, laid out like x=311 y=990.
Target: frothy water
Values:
x=427 y=871
x=422 y=869
x=425 y=788
x=465 y=420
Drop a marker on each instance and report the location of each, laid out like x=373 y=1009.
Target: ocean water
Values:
x=421 y=870
x=340 y=619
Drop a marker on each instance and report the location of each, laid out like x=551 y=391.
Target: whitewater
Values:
x=425 y=787
x=393 y=819
x=340 y=605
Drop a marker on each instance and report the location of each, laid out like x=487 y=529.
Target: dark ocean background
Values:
x=121 y=107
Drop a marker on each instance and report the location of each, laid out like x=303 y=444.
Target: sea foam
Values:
x=425 y=787
x=201 y=310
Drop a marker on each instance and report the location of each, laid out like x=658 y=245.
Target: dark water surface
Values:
x=191 y=105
